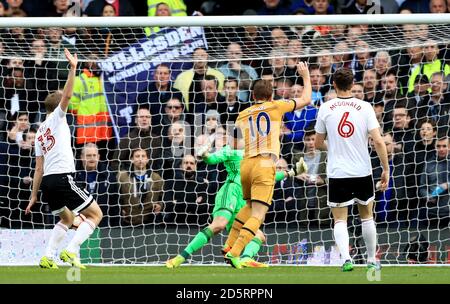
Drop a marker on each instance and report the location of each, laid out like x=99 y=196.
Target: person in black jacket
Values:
x=186 y=196
x=100 y=183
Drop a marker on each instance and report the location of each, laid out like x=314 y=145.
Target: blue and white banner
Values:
x=129 y=71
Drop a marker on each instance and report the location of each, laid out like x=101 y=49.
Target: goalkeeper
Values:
x=228 y=202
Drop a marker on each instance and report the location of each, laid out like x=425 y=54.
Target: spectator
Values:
x=40 y=74
x=401 y=129
x=322 y=7
x=244 y=74
x=325 y=62
x=358 y=90
x=438 y=6
x=317 y=82
x=162 y=10
x=213 y=100
x=93 y=176
x=295 y=125
x=432 y=64
x=356 y=7
x=274 y=7
x=416 y=6
x=55 y=49
x=434 y=182
x=276 y=66
x=362 y=60
x=175 y=147
x=294 y=51
x=341 y=56
x=390 y=95
x=185 y=196
x=282 y=88
x=17 y=41
x=141 y=136
x=141 y=191
x=158 y=92
x=382 y=63
x=122 y=7
x=59 y=9
x=313 y=191
x=15 y=97
x=190 y=82
x=173 y=112
x=331 y=94
x=296 y=91
x=177 y=7
x=370 y=84
x=19 y=128
x=420 y=95
x=234 y=104
x=392 y=204
x=438 y=107
x=88 y=104
x=284 y=208
x=379 y=112
x=279 y=39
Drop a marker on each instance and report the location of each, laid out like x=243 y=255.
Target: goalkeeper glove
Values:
x=299 y=168
x=202 y=150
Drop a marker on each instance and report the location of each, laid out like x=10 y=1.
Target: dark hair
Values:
x=343 y=78
x=231 y=79
x=211 y=77
x=309 y=131
x=138 y=149
x=285 y=80
x=262 y=90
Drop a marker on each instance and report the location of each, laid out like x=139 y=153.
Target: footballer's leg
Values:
x=58 y=234
x=341 y=236
x=252 y=248
x=369 y=233
x=93 y=215
x=201 y=239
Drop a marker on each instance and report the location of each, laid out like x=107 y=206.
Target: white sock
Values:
x=58 y=234
x=369 y=233
x=82 y=234
x=342 y=239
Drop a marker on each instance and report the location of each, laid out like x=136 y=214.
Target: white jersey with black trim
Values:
x=347 y=123
x=53 y=141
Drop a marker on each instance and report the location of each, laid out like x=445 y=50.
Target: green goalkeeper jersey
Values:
x=231 y=159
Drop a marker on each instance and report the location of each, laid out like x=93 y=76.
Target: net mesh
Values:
x=178 y=88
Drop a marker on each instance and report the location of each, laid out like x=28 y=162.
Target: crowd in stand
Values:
x=152 y=176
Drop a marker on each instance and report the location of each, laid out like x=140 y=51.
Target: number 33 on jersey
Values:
x=260 y=126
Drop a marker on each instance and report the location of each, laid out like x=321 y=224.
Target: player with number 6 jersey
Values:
x=347 y=122
x=54 y=172
x=260 y=127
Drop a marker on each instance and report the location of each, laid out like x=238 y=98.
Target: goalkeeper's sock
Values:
x=342 y=239
x=201 y=239
x=369 y=233
x=252 y=248
x=247 y=233
x=242 y=216
x=83 y=232
x=58 y=234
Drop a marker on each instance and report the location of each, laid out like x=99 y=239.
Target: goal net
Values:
x=147 y=96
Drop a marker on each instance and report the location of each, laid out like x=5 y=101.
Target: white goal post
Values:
x=397 y=59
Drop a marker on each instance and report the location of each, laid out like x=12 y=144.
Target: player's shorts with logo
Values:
x=60 y=190
x=258 y=178
x=228 y=202
x=346 y=191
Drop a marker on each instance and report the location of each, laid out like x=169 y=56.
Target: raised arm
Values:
x=68 y=88
x=303 y=70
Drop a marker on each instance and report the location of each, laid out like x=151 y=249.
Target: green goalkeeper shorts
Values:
x=228 y=202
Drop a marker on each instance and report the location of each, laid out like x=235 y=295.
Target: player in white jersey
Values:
x=55 y=168
x=347 y=123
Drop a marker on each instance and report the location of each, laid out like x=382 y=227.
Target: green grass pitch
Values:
x=224 y=275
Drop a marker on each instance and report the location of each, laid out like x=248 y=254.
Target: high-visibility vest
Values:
x=177 y=8
x=88 y=103
x=427 y=69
